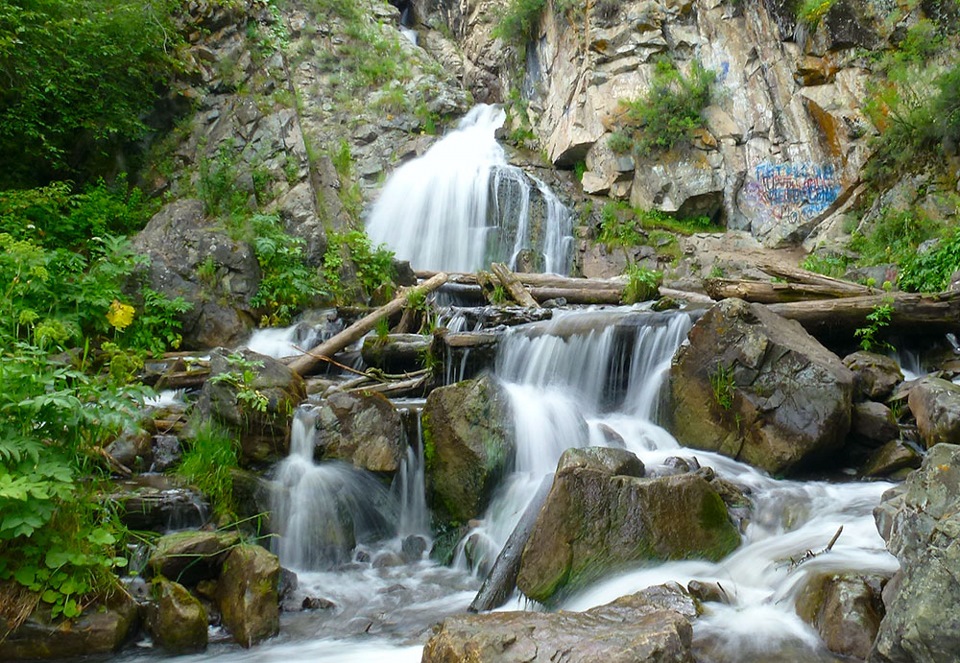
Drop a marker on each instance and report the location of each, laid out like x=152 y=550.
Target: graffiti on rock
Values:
x=790 y=192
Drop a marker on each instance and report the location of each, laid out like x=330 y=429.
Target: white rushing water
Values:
x=461 y=206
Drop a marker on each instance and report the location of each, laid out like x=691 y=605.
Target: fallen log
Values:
x=915 y=313
x=306 y=363
x=512 y=285
x=764 y=292
x=797 y=275
x=578 y=295
x=538 y=281
x=502 y=579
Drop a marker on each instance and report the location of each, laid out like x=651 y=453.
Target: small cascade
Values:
x=410 y=484
x=461 y=206
x=322 y=510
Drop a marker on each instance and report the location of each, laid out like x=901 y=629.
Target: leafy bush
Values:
x=828 y=265
x=893 y=237
x=78 y=77
x=373 y=265
x=931 y=271
x=642 y=284
x=811 y=12
x=670 y=111
x=207 y=463
x=518 y=20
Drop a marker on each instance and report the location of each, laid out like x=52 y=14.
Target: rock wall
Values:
x=785 y=136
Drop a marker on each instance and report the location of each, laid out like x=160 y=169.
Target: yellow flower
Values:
x=120 y=315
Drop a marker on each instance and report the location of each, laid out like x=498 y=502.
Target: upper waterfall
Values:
x=461 y=206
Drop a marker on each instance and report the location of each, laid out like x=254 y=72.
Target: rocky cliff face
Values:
x=785 y=135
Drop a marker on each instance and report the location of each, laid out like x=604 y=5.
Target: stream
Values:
x=586 y=377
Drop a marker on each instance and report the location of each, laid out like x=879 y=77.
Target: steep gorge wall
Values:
x=785 y=138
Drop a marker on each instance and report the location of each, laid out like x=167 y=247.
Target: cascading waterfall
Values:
x=461 y=206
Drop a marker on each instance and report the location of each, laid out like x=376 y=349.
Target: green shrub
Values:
x=893 y=237
x=78 y=77
x=620 y=142
x=207 y=463
x=811 y=12
x=642 y=284
x=373 y=265
x=931 y=271
x=826 y=264
x=518 y=20
x=670 y=112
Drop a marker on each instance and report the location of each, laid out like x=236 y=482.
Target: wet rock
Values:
x=177 y=621
x=468 y=446
x=874 y=422
x=177 y=240
x=317 y=603
x=166 y=452
x=935 y=403
x=845 y=609
x=755 y=387
x=363 y=429
x=247 y=594
x=396 y=353
x=877 y=375
x=412 y=548
x=132 y=450
x=256 y=398
x=387 y=560
x=602 y=459
x=707 y=591
x=101 y=629
x=157 y=503
x=920 y=521
x=594 y=522
x=893 y=456
x=652 y=625
x=189 y=557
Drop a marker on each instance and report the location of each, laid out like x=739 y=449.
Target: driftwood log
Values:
x=797 y=275
x=913 y=313
x=764 y=292
x=512 y=285
x=308 y=362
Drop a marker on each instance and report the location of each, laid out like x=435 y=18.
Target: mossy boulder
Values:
x=360 y=428
x=189 y=557
x=255 y=397
x=595 y=522
x=177 y=621
x=846 y=610
x=248 y=594
x=102 y=628
x=468 y=446
x=758 y=388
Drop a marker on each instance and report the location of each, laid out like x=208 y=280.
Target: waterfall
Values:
x=322 y=510
x=461 y=206
x=410 y=485
x=562 y=377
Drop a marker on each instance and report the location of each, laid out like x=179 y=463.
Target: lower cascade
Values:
x=583 y=379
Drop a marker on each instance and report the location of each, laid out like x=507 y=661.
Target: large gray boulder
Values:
x=920 y=521
x=846 y=610
x=468 y=446
x=652 y=625
x=178 y=240
x=935 y=403
x=363 y=429
x=877 y=375
x=255 y=396
x=756 y=387
x=596 y=520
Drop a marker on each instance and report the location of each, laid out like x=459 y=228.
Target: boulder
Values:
x=102 y=628
x=893 y=456
x=935 y=403
x=177 y=241
x=360 y=428
x=756 y=387
x=254 y=395
x=177 y=621
x=920 y=521
x=877 y=375
x=874 y=422
x=846 y=610
x=651 y=625
x=468 y=446
x=248 y=594
x=154 y=502
x=189 y=557
x=595 y=522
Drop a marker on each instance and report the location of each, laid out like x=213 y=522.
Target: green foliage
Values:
x=642 y=284
x=826 y=264
x=931 y=271
x=619 y=226
x=518 y=20
x=78 y=77
x=811 y=12
x=373 y=265
x=241 y=378
x=670 y=112
x=207 y=463
x=893 y=237
x=877 y=320
x=287 y=284
x=722 y=383
x=623 y=226
x=217 y=183
x=620 y=142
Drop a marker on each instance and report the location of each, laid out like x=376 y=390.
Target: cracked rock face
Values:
x=756 y=387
